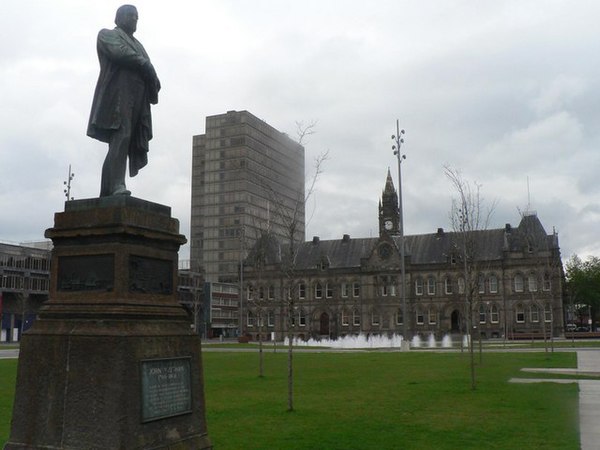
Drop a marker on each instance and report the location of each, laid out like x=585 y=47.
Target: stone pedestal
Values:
x=111 y=362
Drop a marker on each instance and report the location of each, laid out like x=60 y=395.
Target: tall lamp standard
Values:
x=67 y=189
x=399 y=140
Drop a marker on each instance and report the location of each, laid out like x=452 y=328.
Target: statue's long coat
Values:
x=123 y=61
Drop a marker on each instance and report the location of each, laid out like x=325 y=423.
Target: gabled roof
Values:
x=343 y=252
x=436 y=248
x=433 y=248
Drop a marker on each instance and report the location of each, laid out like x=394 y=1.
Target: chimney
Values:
x=507 y=228
x=440 y=232
x=315 y=240
x=346 y=238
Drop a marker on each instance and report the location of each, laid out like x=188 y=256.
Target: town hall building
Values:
x=349 y=286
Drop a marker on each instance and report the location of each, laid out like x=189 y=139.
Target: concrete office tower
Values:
x=247 y=178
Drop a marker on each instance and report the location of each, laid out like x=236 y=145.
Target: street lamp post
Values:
x=397 y=138
x=67 y=189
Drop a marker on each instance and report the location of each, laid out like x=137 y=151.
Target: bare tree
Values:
x=468 y=217
x=291 y=218
x=288 y=214
x=258 y=259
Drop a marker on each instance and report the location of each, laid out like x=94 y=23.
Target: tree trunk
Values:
x=290 y=372
x=260 y=347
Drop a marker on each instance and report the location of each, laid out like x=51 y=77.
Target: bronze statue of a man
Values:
x=120 y=115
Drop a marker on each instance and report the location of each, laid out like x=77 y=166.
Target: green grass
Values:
x=8 y=377
x=378 y=400
x=388 y=400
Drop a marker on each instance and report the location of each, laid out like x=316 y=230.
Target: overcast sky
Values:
x=504 y=91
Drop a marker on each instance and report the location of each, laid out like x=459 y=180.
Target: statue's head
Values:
x=126 y=18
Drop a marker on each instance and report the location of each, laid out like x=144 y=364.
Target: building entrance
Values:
x=455 y=321
x=324 y=324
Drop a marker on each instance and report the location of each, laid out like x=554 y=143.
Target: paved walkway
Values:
x=589 y=400
x=588 y=363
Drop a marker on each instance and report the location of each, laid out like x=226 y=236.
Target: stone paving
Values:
x=589 y=400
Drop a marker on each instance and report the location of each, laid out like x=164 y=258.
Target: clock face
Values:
x=388 y=224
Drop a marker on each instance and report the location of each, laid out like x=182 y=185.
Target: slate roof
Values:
x=433 y=248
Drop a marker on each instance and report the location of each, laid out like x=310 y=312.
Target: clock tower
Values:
x=389 y=216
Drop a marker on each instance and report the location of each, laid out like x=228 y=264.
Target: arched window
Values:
x=534 y=314
x=448 y=285
x=518 y=283
x=250 y=319
x=419 y=286
x=494 y=316
x=547 y=282
x=318 y=290
x=493 y=282
x=532 y=282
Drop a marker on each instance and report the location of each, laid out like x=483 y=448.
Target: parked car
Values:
x=571 y=327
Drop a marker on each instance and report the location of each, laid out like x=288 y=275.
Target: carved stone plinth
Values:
x=111 y=362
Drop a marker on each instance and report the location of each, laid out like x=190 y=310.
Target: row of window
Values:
x=422 y=316
x=18 y=282
x=29 y=262
x=320 y=291
x=489 y=285
x=534 y=314
x=422 y=286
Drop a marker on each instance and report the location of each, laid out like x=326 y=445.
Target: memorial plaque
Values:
x=166 y=388
x=86 y=273
x=150 y=275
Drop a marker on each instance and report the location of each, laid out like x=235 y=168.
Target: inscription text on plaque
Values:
x=166 y=388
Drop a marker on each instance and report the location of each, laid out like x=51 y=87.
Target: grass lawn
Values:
x=377 y=400
x=8 y=377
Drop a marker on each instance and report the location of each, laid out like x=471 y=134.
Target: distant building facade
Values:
x=213 y=307
x=221 y=303
x=350 y=286
x=246 y=177
x=24 y=286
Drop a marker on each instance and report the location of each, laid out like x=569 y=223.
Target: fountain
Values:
x=447 y=341
x=349 y=342
x=466 y=340
x=431 y=341
x=416 y=341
